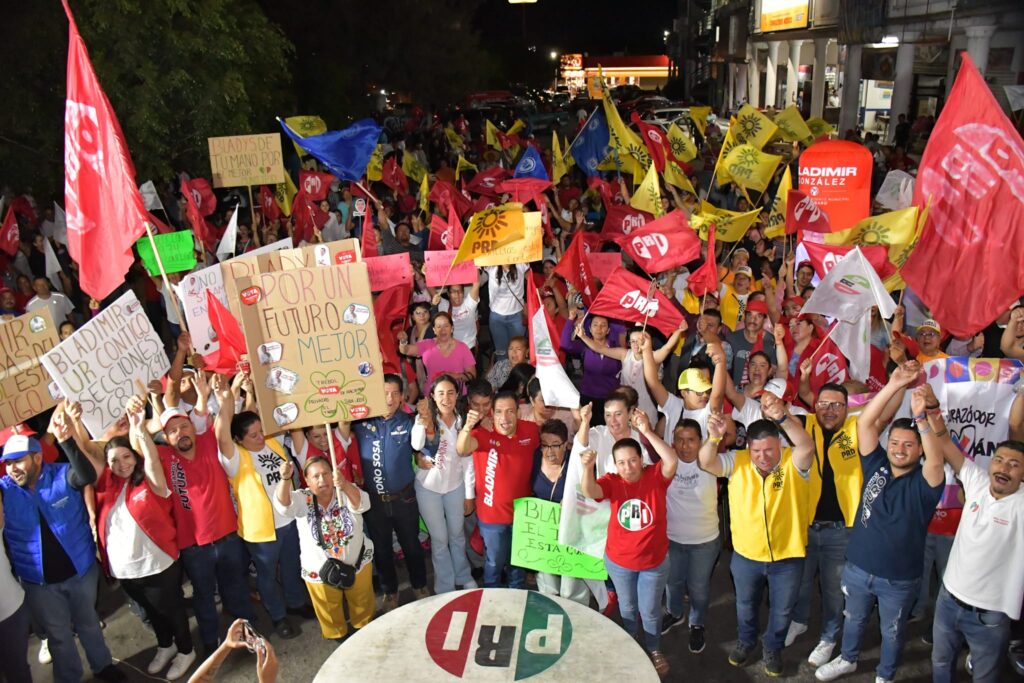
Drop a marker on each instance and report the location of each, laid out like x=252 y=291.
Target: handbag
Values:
x=334 y=572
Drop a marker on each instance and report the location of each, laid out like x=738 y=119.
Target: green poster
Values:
x=535 y=543
x=177 y=251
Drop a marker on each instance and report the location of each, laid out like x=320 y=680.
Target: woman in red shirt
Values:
x=636 y=553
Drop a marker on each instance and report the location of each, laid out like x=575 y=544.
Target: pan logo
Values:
x=462 y=633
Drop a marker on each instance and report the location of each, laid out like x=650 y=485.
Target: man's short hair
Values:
x=907 y=424
x=1013 y=445
x=832 y=386
x=392 y=378
x=506 y=394
x=479 y=387
x=763 y=429
x=690 y=423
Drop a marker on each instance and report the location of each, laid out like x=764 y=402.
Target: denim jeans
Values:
x=443 y=515
x=690 y=572
x=503 y=328
x=403 y=517
x=63 y=610
x=936 y=554
x=895 y=597
x=497 y=554
x=14 y=646
x=219 y=566
x=826 y=557
x=640 y=591
x=783 y=581
x=269 y=557
x=987 y=633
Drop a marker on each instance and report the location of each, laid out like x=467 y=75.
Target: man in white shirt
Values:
x=60 y=306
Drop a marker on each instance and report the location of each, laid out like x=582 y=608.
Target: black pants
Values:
x=14 y=647
x=161 y=599
x=402 y=516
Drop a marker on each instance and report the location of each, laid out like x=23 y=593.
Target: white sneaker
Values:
x=794 y=632
x=822 y=653
x=44 y=652
x=181 y=664
x=163 y=657
x=834 y=669
x=879 y=679
x=471 y=585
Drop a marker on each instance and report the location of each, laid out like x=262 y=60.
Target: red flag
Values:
x=486 y=182
x=105 y=212
x=10 y=237
x=824 y=256
x=445 y=235
x=525 y=189
x=194 y=214
x=622 y=219
x=369 y=237
x=803 y=214
x=232 y=342
x=828 y=364
x=625 y=296
x=533 y=307
x=390 y=308
x=654 y=138
x=705 y=278
x=203 y=195
x=271 y=211
x=393 y=177
x=444 y=193
x=972 y=174
x=575 y=269
x=23 y=207
x=316 y=185
x=308 y=217
x=662 y=244
x=160 y=226
x=606 y=189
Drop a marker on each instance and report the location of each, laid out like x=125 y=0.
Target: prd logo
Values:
x=465 y=632
x=635 y=515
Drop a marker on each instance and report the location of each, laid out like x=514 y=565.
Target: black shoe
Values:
x=670 y=621
x=111 y=674
x=306 y=612
x=285 y=629
x=926 y=637
x=696 y=639
x=740 y=654
x=772 y=662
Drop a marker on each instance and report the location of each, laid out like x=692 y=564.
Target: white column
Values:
x=771 y=88
x=730 y=87
x=742 y=93
x=818 y=82
x=978 y=38
x=753 y=77
x=850 y=103
x=792 y=71
x=901 y=87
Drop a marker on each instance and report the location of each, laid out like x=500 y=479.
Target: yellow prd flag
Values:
x=490 y=229
x=454 y=139
x=898 y=230
x=777 y=215
x=721 y=170
x=569 y=159
x=621 y=138
x=374 y=169
x=674 y=176
x=752 y=127
x=527 y=249
x=464 y=165
x=284 y=193
x=699 y=116
x=517 y=126
x=681 y=144
x=819 y=127
x=492 y=136
x=558 y=168
x=648 y=196
x=412 y=168
x=749 y=167
x=895 y=281
x=730 y=226
x=792 y=127
x=305 y=126
x=425 y=195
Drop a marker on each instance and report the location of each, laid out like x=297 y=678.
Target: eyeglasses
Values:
x=551 y=446
x=831 y=405
x=928 y=333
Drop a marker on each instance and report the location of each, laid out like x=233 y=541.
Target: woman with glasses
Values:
x=548 y=483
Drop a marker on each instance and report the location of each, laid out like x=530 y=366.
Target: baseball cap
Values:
x=929 y=324
x=740 y=250
x=757 y=306
x=744 y=270
x=694 y=380
x=798 y=300
x=169 y=414
x=776 y=387
x=19 y=445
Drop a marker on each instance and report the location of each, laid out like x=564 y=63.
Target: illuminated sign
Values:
x=780 y=15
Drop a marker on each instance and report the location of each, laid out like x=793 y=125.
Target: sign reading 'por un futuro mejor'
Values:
x=312 y=341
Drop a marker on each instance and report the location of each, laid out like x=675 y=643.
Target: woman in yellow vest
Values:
x=253 y=465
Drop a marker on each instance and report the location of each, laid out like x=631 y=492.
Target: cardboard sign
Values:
x=25 y=387
x=192 y=292
x=603 y=264
x=437 y=264
x=243 y=267
x=836 y=175
x=535 y=543
x=312 y=338
x=334 y=253
x=389 y=271
x=238 y=160
x=99 y=364
x=177 y=252
x=526 y=250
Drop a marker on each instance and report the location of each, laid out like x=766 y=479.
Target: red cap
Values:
x=757 y=306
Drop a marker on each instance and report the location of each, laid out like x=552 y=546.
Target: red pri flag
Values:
x=309 y=217
x=705 y=278
x=575 y=269
x=824 y=256
x=486 y=182
x=194 y=213
x=629 y=297
x=445 y=235
x=390 y=309
x=803 y=214
x=972 y=175
x=203 y=195
x=444 y=193
x=105 y=212
x=271 y=211
x=654 y=138
x=316 y=185
x=10 y=237
x=232 y=342
x=369 y=237
x=662 y=244
x=393 y=176
x=622 y=219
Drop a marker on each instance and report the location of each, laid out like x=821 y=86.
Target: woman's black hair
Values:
x=240 y=424
x=435 y=414
x=138 y=473
x=518 y=377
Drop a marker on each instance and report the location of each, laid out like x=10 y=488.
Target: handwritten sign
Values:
x=177 y=252
x=334 y=253
x=312 y=338
x=389 y=271
x=602 y=264
x=100 y=363
x=25 y=387
x=535 y=543
x=437 y=264
x=238 y=160
x=526 y=250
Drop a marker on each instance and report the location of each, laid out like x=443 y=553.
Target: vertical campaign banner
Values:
x=312 y=341
x=836 y=175
x=100 y=363
x=25 y=387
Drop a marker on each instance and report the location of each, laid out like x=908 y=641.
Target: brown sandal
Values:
x=660 y=663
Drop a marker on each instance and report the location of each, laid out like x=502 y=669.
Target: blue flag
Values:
x=591 y=145
x=530 y=165
x=346 y=153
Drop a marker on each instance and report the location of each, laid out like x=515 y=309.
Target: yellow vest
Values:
x=768 y=514
x=731 y=308
x=844 y=457
x=255 y=515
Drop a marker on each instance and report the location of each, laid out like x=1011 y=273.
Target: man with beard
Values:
x=748 y=341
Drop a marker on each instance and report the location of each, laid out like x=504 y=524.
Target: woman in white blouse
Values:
x=507 y=296
x=330 y=515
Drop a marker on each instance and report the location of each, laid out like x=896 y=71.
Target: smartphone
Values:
x=253 y=640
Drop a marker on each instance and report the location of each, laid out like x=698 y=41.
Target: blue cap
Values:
x=19 y=445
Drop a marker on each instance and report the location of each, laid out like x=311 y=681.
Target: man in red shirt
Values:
x=503 y=459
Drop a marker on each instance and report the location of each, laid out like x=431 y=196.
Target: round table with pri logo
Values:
x=490 y=634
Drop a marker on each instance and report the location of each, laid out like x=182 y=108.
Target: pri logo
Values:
x=82 y=152
x=852 y=285
x=632 y=221
x=635 y=515
x=464 y=633
x=197 y=197
x=634 y=299
x=655 y=136
x=311 y=184
x=828 y=366
x=644 y=244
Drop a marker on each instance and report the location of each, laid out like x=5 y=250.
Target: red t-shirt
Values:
x=638 y=528
x=503 y=465
x=203 y=512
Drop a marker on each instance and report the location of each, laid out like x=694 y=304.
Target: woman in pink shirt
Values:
x=442 y=355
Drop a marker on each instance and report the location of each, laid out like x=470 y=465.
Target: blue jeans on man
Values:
x=826 y=557
x=640 y=592
x=219 y=566
x=498 y=554
x=268 y=556
x=936 y=555
x=690 y=573
x=895 y=597
x=782 y=578
x=987 y=633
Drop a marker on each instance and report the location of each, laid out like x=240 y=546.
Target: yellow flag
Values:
x=284 y=193
x=898 y=230
x=454 y=139
x=464 y=165
x=517 y=126
x=374 y=170
x=752 y=127
x=558 y=166
x=621 y=138
x=425 y=195
x=412 y=167
x=526 y=249
x=819 y=127
x=777 y=215
x=721 y=170
x=305 y=126
x=730 y=226
x=681 y=144
x=749 y=167
x=895 y=281
x=639 y=174
x=674 y=176
x=492 y=136
x=699 y=116
x=792 y=127
x=569 y=160
x=490 y=229
x=648 y=196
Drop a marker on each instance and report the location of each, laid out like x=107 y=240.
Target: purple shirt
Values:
x=600 y=373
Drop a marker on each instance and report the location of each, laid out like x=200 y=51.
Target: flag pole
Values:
x=252 y=210
x=565 y=153
x=163 y=274
x=827 y=336
x=651 y=293
x=334 y=461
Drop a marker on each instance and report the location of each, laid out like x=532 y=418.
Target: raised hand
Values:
x=641 y=422
x=716 y=425
x=586 y=413
x=286 y=470
x=472 y=419
x=904 y=375
x=779 y=332
x=588 y=457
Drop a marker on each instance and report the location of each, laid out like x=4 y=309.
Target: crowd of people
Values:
x=707 y=439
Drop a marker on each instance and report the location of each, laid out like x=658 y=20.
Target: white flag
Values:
x=849 y=289
x=53 y=268
x=896 y=192
x=226 y=248
x=60 y=225
x=150 y=197
x=555 y=386
x=854 y=341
